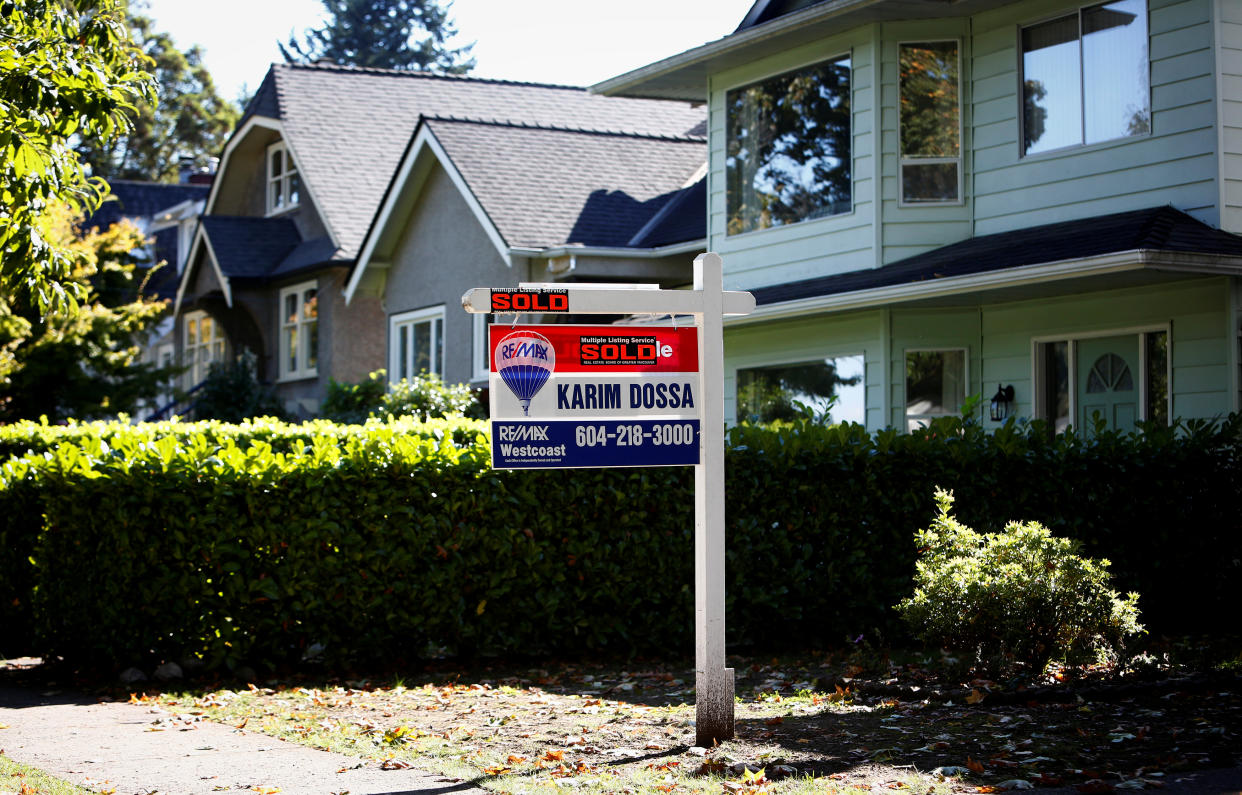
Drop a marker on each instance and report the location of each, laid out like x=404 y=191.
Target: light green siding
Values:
x=999 y=340
x=1229 y=85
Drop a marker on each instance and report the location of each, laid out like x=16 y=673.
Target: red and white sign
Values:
x=576 y=372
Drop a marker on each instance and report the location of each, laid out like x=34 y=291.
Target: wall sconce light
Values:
x=1001 y=402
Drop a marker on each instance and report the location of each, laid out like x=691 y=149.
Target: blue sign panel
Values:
x=560 y=444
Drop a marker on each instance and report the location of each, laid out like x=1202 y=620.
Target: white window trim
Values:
x=280 y=182
x=1072 y=340
x=846 y=53
x=413 y=317
x=966 y=382
x=303 y=370
x=903 y=160
x=189 y=355
x=480 y=368
x=758 y=363
x=1083 y=146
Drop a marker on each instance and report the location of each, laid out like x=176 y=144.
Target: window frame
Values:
x=769 y=74
x=281 y=182
x=905 y=386
x=302 y=368
x=903 y=160
x=480 y=362
x=1021 y=73
x=767 y=363
x=189 y=353
x=412 y=318
x=1039 y=409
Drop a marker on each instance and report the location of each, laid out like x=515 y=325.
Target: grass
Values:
x=19 y=779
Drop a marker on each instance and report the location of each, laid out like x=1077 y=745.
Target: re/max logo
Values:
x=522 y=433
x=530 y=301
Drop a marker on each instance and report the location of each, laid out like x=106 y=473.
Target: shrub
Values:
x=1020 y=594
x=424 y=397
x=231 y=392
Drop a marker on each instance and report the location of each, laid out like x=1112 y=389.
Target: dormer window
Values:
x=284 y=187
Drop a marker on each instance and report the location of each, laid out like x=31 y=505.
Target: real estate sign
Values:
x=566 y=396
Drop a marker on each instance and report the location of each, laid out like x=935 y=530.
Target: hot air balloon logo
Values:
x=525 y=361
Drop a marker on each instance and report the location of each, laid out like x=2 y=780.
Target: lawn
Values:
x=815 y=723
x=19 y=779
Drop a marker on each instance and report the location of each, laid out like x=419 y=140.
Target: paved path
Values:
x=144 y=750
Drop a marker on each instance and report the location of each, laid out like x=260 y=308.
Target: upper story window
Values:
x=788 y=148
x=299 y=331
x=930 y=118
x=1085 y=77
x=284 y=187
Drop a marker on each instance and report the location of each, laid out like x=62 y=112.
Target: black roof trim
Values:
x=1154 y=229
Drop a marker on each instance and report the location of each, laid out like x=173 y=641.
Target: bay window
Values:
x=788 y=148
x=930 y=119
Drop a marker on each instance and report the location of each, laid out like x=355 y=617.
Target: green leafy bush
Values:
x=425 y=396
x=231 y=392
x=1018 y=595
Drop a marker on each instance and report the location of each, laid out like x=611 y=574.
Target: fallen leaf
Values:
x=975 y=696
x=974 y=764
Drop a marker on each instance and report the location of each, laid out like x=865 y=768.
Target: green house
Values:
x=933 y=200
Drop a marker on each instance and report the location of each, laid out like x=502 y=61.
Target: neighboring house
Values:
x=386 y=194
x=931 y=200
x=167 y=214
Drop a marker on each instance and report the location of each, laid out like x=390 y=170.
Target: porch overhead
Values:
x=1128 y=249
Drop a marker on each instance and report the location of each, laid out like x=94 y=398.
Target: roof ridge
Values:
x=411 y=73
x=550 y=127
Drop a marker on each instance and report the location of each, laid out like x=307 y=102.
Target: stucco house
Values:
x=936 y=200
x=351 y=205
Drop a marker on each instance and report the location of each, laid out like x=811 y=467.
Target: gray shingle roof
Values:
x=348 y=128
x=248 y=247
x=545 y=187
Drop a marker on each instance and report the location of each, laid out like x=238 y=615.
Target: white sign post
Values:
x=707 y=303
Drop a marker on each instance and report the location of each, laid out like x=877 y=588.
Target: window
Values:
x=930 y=118
x=482 y=364
x=299 y=331
x=284 y=187
x=202 y=344
x=788 y=148
x=1085 y=77
x=935 y=385
x=416 y=343
x=832 y=389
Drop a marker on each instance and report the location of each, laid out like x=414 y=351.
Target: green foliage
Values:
x=380 y=33
x=353 y=403
x=1018 y=595
x=253 y=543
x=425 y=396
x=66 y=69
x=186 y=118
x=84 y=364
x=231 y=392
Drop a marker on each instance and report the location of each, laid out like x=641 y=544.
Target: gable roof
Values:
x=1157 y=229
x=348 y=126
x=549 y=186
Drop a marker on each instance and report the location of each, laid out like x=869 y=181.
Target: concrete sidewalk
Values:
x=144 y=750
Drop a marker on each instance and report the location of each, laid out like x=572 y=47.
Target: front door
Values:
x=1108 y=381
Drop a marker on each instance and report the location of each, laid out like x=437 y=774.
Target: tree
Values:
x=67 y=67
x=82 y=364
x=380 y=33
x=186 y=118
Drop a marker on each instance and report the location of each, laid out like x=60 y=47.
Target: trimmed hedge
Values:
x=268 y=544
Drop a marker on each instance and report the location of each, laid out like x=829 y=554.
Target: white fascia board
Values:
x=1120 y=262
x=234 y=140
x=620 y=252
x=201 y=241
x=171 y=216
x=425 y=143
x=721 y=46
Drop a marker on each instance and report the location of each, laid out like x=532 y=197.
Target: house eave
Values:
x=684 y=76
x=619 y=252
x=1027 y=275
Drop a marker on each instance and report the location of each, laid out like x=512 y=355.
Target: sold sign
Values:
x=530 y=301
